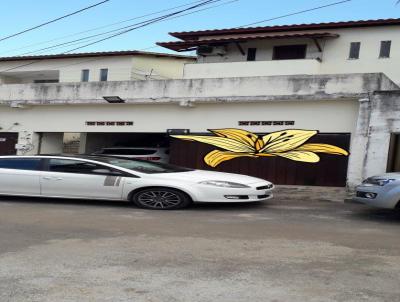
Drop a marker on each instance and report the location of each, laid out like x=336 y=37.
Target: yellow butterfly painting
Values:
x=290 y=144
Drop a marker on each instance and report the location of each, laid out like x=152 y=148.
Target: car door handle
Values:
x=46 y=177
x=59 y=178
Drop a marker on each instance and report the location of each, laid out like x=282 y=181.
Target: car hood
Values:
x=394 y=175
x=202 y=175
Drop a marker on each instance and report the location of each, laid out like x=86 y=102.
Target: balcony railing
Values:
x=183 y=92
x=251 y=69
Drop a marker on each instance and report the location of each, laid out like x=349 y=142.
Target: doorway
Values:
x=394 y=153
x=7 y=143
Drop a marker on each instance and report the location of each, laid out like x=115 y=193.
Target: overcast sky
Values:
x=18 y=15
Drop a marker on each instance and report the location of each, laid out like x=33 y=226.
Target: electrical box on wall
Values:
x=178 y=131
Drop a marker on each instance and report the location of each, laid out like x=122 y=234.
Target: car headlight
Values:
x=223 y=184
x=378 y=181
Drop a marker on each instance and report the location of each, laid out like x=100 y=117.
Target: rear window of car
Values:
x=128 y=151
x=74 y=166
x=141 y=165
x=20 y=163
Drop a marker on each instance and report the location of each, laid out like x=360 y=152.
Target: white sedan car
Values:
x=147 y=184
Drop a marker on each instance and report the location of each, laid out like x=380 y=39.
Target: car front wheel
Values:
x=161 y=199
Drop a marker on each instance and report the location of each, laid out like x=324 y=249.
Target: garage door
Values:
x=7 y=143
x=330 y=171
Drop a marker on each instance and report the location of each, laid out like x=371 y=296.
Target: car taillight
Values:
x=151 y=158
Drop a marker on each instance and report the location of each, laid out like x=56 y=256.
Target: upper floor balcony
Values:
x=252 y=69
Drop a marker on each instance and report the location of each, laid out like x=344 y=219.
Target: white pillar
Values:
x=359 y=145
x=82 y=143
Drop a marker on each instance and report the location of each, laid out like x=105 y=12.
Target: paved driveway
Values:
x=283 y=250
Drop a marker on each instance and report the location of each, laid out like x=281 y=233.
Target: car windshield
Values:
x=142 y=165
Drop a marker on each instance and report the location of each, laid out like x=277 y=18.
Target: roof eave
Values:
x=194 y=35
x=180 y=46
x=94 y=54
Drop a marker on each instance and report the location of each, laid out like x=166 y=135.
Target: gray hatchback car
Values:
x=382 y=191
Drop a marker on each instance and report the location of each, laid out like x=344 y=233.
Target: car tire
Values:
x=159 y=198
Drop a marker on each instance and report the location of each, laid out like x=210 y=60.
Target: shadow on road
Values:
x=61 y=201
x=377 y=215
x=227 y=206
x=121 y=204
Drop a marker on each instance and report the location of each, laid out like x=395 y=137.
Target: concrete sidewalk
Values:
x=304 y=193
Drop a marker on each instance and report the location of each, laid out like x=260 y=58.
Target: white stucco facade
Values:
x=69 y=69
x=329 y=104
x=334 y=57
x=327 y=116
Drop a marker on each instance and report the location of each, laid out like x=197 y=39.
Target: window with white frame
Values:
x=385 y=49
x=85 y=75
x=103 y=74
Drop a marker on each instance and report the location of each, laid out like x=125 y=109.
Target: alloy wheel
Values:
x=159 y=199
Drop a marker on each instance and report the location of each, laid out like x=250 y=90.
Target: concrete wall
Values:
x=201 y=90
x=334 y=56
x=146 y=67
x=249 y=69
x=379 y=118
x=71 y=137
x=119 y=68
x=51 y=143
x=326 y=116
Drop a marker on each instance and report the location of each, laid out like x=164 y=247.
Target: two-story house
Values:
x=309 y=53
x=91 y=67
x=325 y=48
x=338 y=78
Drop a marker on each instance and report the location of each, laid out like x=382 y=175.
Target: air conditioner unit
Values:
x=211 y=50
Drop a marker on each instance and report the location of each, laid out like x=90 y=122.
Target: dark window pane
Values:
x=129 y=151
x=103 y=74
x=290 y=52
x=80 y=167
x=73 y=166
x=354 y=50
x=142 y=165
x=85 y=75
x=20 y=163
x=251 y=54
x=45 y=81
x=385 y=49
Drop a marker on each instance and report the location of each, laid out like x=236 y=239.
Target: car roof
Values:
x=83 y=156
x=94 y=157
x=132 y=148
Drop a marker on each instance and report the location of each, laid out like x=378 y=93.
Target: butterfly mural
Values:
x=290 y=144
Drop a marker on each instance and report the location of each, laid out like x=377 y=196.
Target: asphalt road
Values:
x=283 y=250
